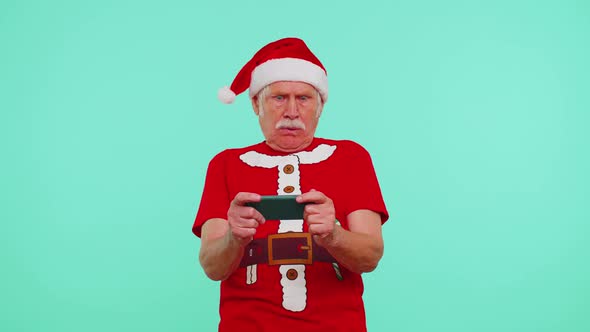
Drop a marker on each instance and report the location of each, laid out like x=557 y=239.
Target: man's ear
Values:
x=254 y=101
x=319 y=111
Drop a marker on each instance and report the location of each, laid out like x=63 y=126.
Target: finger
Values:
x=244 y=197
x=312 y=209
x=307 y=215
x=251 y=213
x=319 y=229
x=238 y=213
x=322 y=211
x=244 y=233
x=312 y=196
x=246 y=223
x=317 y=219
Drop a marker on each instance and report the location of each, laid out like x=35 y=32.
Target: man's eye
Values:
x=279 y=98
x=303 y=98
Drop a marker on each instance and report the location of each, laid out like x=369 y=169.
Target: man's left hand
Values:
x=320 y=215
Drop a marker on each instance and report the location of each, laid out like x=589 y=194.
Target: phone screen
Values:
x=280 y=207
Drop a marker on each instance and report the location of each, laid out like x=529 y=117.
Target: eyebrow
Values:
x=309 y=94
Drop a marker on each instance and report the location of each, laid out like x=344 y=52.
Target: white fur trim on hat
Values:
x=289 y=69
x=225 y=95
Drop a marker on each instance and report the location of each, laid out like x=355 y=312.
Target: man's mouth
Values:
x=289 y=130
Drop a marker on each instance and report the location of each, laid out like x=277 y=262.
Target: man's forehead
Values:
x=291 y=87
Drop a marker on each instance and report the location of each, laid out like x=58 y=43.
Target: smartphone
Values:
x=279 y=207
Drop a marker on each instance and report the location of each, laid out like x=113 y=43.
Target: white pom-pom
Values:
x=225 y=95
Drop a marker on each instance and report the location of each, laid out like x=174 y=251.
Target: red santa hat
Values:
x=287 y=59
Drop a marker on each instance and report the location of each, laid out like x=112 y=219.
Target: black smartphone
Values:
x=279 y=207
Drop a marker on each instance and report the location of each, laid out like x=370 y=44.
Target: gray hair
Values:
x=261 y=96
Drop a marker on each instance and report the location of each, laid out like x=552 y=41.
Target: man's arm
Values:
x=219 y=254
x=360 y=248
x=223 y=241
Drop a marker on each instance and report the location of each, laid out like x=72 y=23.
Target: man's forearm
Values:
x=220 y=254
x=357 y=252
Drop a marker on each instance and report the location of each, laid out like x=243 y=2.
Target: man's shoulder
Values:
x=344 y=145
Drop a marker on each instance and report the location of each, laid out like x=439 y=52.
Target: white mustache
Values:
x=290 y=124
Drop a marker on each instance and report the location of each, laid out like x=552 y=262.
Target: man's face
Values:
x=290 y=117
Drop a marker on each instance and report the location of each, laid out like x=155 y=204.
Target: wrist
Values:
x=233 y=241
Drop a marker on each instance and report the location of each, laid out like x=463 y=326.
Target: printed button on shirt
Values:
x=292 y=274
x=288 y=169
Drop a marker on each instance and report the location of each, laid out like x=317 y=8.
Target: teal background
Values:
x=475 y=113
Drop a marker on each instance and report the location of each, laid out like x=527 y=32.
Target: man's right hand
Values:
x=243 y=220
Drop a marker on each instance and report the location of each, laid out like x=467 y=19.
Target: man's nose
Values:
x=292 y=110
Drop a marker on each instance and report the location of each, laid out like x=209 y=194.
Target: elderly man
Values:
x=290 y=274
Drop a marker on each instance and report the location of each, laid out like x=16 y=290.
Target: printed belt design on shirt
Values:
x=285 y=248
x=292 y=270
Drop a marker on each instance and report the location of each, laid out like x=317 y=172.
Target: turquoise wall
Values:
x=476 y=114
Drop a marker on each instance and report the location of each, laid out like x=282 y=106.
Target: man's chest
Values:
x=288 y=177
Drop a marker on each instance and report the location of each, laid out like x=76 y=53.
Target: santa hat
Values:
x=287 y=59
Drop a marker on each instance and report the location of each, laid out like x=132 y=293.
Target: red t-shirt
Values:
x=343 y=171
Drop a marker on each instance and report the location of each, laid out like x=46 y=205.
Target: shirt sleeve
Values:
x=364 y=184
x=215 y=198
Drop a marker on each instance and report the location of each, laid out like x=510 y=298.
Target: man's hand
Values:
x=243 y=220
x=320 y=215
